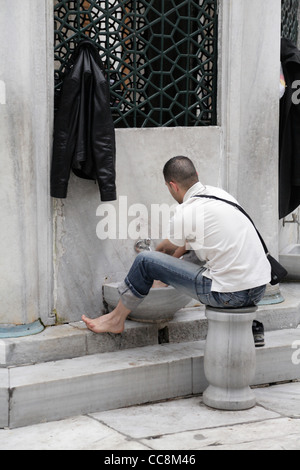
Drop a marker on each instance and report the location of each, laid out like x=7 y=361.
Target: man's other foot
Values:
x=259 y=334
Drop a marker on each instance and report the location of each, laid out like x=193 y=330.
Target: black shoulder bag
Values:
x=278 y=272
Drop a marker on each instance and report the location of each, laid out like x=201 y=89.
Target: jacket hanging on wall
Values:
x=84 y=135
x=289 y=145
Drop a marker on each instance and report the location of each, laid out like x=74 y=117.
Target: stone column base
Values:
x=230 y=359
x=18 y=331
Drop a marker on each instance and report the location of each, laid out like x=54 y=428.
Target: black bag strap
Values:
x=243 y=211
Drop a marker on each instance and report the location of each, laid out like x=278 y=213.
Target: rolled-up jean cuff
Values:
x=130 y=298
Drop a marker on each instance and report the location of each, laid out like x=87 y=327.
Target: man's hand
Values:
x=168 y=248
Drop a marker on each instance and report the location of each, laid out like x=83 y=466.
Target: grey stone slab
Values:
x=136 y=335
x=275 y=362
x=270 y=434
x=290 y=290
x=3 y=353
x=4 y=398
x=75 y=340
x=195 y=350
x=176 y=416
x=283 y=399
x=188 y=325
x=108 y=381
x=200 y=382
x=92 y=433
x=54 y=343
x=78 y=433
x=56 y=390
x=285 y=315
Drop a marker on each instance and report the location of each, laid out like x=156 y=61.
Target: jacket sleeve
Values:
x=104 y=146
x=64 y=138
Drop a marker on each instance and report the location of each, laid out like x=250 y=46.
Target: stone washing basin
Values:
x=290 y=259
x=159 y=306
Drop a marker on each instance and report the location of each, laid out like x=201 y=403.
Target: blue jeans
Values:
x=185 y=276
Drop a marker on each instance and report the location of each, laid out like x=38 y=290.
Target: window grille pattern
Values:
x=160 y=56
x=289 y=19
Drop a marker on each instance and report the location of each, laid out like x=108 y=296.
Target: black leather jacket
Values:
x=289 y=137
x=84 y=135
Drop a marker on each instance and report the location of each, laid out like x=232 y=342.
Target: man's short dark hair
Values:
x=181 y=170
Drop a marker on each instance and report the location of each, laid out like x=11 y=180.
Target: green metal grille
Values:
x=289 y=20
x=160 y=56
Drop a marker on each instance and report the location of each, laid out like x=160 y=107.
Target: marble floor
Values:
x=181 y=424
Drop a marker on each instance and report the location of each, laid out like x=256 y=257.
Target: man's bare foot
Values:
x=104 y=324
x=114 y=322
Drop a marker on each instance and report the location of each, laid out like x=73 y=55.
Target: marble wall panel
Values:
x=82 y=261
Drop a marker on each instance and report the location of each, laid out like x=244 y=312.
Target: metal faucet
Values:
x=294 y=221
x=143 y=245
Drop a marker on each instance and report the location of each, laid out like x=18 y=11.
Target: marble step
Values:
x=55 y=390
x=74 y=340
